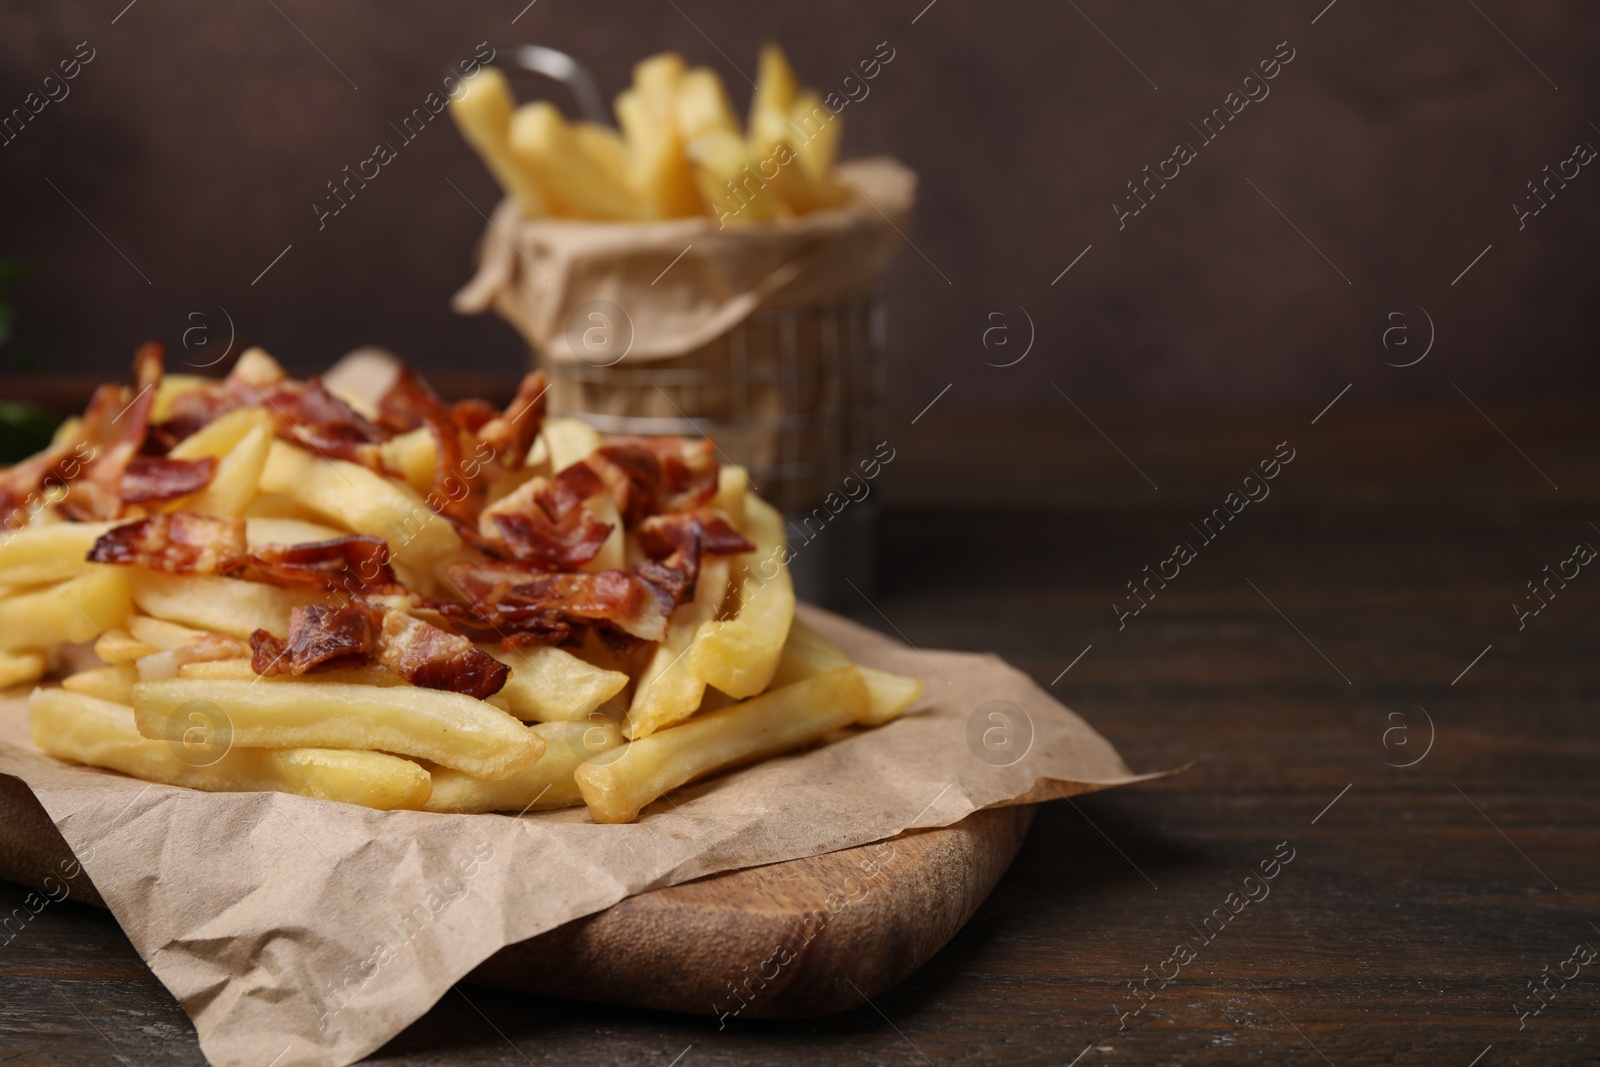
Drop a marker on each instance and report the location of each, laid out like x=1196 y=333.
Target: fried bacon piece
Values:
x=662 y=535
x=158 y=478
x=411 y=403
x=176 y=543
x=309 y=415
x=320 y=636
x=425 y=655
x=544 y=523
x=512 y=600
x=39 y=480
x=675 y=544
x=511 y=434
x=114 y=429
x=655 y=475
x=355 y=564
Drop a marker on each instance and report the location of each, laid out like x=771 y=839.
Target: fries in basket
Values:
x=680 y=152
x=402 y=603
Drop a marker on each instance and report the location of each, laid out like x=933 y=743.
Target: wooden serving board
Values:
x=789 y=940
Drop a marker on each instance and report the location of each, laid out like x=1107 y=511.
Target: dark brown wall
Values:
x=1396 y=140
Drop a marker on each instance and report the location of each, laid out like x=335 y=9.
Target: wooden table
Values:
x=1298 y=658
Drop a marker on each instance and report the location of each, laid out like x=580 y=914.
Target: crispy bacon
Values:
x=159 y=478
x=321 y=635
x=511 y=435
x=544 y=523
x=39 y=480
x=354 y=564
x=309 y=415
x=655 y=475
x=411 y=403
x=425 y=655
x=661 y=535
x=510 y=599
x=268 y=654
x=114 y=428
x=176 y=543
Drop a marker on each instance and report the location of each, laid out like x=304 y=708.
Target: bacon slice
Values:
x=661 y=535
x=114 y=429
x=511 y=434
x=355 y=564
x=411 y=403
x=544 y=523
x=676 y=543
x=28 y=486
x=512 y=599
x=655 y=475
x=425 y=655
x=322 y=635
x=158 y=478
x=176 y=543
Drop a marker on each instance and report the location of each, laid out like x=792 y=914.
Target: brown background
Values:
x=1397 y=140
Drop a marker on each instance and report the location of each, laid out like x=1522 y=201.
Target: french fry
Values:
x=723 y=171
x=81 y=728
x=364 y=501
x=574 y=183
x=446 y=728
x=159 y=634
x=739 y=655
x=549 y=684
x=547 y=784
x=659 y=171
x=619 y=783
x=121 y=649
x=236 y=479
x=415 y=455
x=605 y=146
x=568 y=441
x=271 y=531
x=732 y=485
x=79 y=609
x=104 y=683
x=54 y=552
x=815 y=131
x=667 y=692
x=483 y=115
x=702 y=104
x=222 y=435
x=20 y=668
x=243 y=670
x=220 y=605
x=807 y=654
x=172 y=387
x=776 y=84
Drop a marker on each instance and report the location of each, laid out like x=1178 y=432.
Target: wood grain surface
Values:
x=1420 y=901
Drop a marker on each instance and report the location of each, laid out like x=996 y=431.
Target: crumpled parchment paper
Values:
x=304 y=932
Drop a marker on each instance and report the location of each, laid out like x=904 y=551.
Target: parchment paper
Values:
x=305 y=932
x=684 y=282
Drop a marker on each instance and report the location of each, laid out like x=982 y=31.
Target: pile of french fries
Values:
x=173 y=694
x=680 y=152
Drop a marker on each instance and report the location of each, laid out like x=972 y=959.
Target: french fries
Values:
x=740 y=655
x=547 y=784
x=807 y=654
x=255 y=635
x=20 y=668
x=449 y=729
x=681 y=152
x=552 y=685
x=617 y=785
x=220 y=605
x=86 y=729
x=668 y=691
x=70 y=612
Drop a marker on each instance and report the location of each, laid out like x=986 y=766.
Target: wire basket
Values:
x=794 y=395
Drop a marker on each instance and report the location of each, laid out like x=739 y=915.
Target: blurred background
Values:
x=172 y=187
